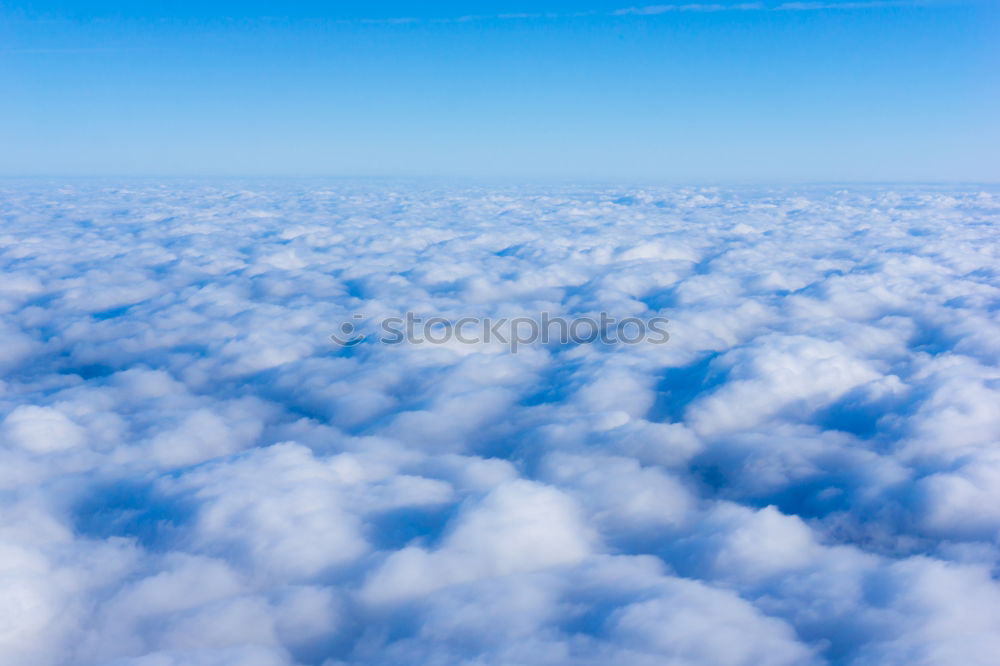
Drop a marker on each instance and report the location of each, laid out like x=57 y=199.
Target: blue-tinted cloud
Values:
x=193 y=473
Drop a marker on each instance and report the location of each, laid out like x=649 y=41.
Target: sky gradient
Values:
x=855 y=91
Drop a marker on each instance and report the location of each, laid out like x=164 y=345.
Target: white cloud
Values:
x=694 y=624
x=41 y=430
x=518 y=527
x=192 y=473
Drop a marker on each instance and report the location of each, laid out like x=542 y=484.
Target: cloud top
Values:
x=191 y=472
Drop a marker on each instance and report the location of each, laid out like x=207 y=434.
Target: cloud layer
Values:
x=192 y=474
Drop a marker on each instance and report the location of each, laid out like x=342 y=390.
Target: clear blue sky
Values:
x=590 y=89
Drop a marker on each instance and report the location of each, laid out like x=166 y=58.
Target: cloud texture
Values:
x=191 y=474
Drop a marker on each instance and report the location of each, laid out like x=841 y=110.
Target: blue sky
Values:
x=726 y=91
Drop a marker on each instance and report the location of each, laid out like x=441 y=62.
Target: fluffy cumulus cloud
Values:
x=192 y=473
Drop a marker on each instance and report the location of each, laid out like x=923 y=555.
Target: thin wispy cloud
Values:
x=871 y=4
x=71 y=51
x=654 y=10
x=637 y=10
